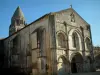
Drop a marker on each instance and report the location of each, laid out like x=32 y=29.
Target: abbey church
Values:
x=58 y=43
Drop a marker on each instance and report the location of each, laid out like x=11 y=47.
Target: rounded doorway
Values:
x=77 y=63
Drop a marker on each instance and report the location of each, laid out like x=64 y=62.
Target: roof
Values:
x=2 y=38
x=18 y=13
x=28 y=25
x=73 y=11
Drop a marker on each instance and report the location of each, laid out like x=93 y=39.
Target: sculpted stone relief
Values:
x=72 y=17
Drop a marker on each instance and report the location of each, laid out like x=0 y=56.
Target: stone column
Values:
x=67 y=44
x=52 y=46
x=83 y=50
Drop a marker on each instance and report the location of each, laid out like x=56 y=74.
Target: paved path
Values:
x=89 y=73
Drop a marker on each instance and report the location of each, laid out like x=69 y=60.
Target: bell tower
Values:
x=17 y=21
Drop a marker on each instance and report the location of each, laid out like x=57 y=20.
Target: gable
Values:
x=78 y=16
x=71 y=17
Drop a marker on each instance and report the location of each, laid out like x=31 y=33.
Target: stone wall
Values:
x=25 y=54
x=1 y=53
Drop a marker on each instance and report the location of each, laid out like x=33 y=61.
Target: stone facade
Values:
x=55 y=44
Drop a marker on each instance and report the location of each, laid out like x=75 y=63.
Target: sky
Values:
x=89 y=10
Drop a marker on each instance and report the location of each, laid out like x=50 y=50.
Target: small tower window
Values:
x=18 y=22
x=21 y=22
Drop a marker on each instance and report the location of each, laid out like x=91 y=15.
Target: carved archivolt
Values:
x=75 y=39
x=74 y=54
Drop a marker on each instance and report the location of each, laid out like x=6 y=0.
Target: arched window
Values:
x=88 y=43
x=75 y=40
x=61 y=40
x=15 y=43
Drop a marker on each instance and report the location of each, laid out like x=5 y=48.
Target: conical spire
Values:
x=18 y=13
x=17 y=21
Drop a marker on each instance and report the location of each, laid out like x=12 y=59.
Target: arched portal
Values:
x=63 y=65
x=77 y=63
x=89 y=62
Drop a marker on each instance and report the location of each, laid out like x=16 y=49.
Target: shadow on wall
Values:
x=63 y=70
x=12 y=71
